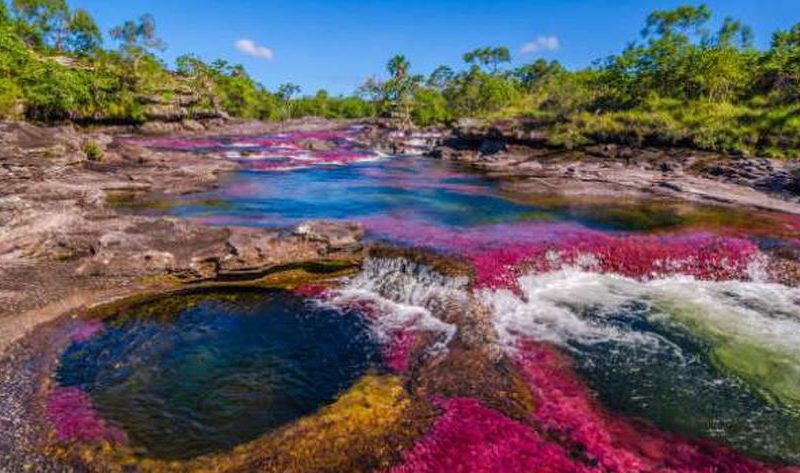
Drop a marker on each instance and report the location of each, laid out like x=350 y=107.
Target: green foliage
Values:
x=93 y=151
x=53 y=92
x=490 y=58
x=475 y=93
x=430 y=107
x=4 y=13
x=680 y=83
x=84 y=35
x=781 y=66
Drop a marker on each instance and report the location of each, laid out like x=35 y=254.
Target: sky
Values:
x=336 y=44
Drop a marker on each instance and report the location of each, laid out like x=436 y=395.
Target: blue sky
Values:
x=336 y=44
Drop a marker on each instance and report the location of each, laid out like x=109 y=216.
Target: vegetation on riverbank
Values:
x=681 y=83
x=53 y=67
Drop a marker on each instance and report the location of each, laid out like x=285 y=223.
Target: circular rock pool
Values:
x=198 y=373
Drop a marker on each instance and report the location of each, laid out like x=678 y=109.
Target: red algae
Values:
x=398 y=350
x=499 y=252
x=86 y=330
x=703 y=256
x=469 y=437
x=566 y=410
x=71 y=413
x=312 y=290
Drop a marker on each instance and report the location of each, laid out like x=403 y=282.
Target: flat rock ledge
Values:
x=65 y=243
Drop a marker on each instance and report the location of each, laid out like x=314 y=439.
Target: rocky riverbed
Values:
x=82 y=228
x=63 y=243
x=521 y=158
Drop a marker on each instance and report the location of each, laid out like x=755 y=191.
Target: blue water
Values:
x=200 y=373
x=406 y=188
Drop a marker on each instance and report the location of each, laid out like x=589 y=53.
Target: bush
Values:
x=430 y=107
x=93 y=151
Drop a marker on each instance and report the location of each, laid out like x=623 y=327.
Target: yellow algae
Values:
x=365 y=429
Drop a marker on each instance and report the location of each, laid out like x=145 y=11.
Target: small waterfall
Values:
x=407 y=296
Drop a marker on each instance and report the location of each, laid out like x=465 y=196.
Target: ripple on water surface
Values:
x=199 y=373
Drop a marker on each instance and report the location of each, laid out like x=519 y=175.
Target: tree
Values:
x=138 y=40
x=440 y=78
x=490 y=58
x=677 y=24
x=781 y=65
x=51 y=23
x=284 y=95
x=287 y=91
x=4 y=14
x=532 y=75
x=398 y=91
x=44 y=21
x=138 y=36
x=84 y=35
x=398 y=67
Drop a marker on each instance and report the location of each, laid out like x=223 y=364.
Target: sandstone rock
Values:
x=337 y=236
x=315 y=144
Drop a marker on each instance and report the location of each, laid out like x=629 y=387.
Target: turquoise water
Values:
x=415 y=189
x=201 y=373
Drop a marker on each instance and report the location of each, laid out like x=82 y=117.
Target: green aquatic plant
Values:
x=739 y=345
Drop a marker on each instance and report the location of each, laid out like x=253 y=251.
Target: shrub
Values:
x=93 y=151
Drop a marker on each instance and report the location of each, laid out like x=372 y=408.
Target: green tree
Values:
x=42 y=21
x=398 y=91
x=83 y=34
x=440 y=78
x=138 y=42
x=284 y=94
x=781 y=65
x=476 y=92
x=488 y=57
x=4 y=14
x=537 y=73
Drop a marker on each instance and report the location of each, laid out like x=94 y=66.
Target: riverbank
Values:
x=64 y=244
x=518 y=155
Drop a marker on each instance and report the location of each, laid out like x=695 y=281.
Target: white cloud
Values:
x=541 y=43
x=249 y=47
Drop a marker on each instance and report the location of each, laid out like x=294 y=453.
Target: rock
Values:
x=192 y=125
x=337 y=236
x=492 y=146
x=315 y=144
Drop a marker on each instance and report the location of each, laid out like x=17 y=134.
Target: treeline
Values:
x=53 y=67
x=679 y=84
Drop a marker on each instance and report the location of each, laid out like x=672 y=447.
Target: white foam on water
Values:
x=407 y=296
x=553 y=303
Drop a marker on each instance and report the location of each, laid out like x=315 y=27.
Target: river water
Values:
x=652 y=336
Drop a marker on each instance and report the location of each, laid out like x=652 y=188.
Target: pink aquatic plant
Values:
x=566 y=410
x=469 y=437
x=71 y=413
x=398 y=350
x=313 y=291
x=86 y=330
x=703 y=256
x=500 y=252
